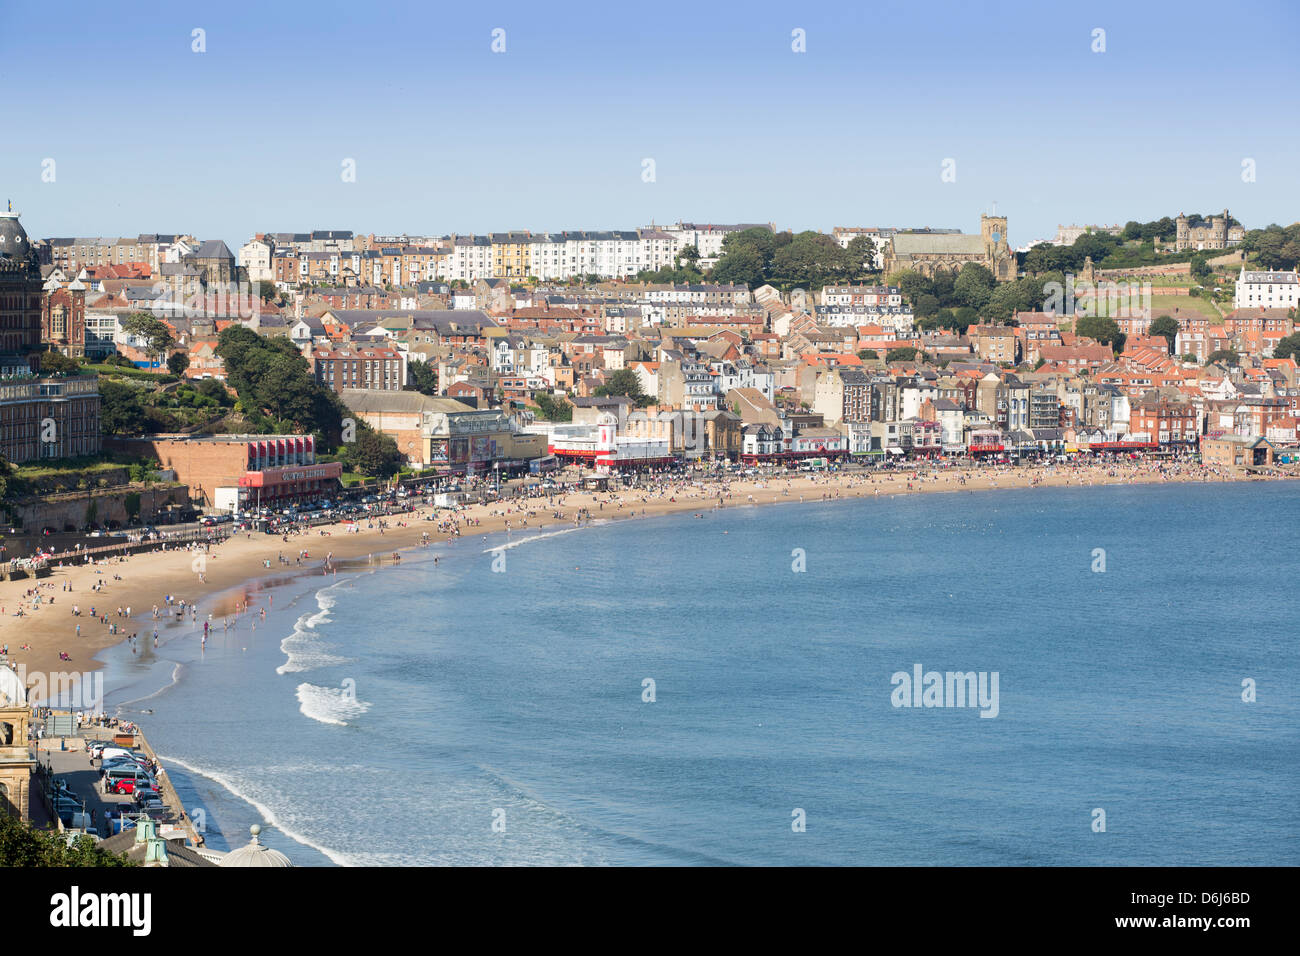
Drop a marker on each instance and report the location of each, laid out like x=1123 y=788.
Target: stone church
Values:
x=214 y=262
x=933 y=253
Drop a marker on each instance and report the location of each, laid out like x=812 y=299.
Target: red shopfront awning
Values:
x=273 y=478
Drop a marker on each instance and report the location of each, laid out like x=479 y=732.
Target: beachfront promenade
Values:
x=18 y=568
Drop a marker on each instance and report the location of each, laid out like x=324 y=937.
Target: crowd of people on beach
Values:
x=535 y=505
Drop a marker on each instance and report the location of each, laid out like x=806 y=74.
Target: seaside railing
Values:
x=122 y=546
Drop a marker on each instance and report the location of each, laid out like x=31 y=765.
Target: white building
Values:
x=255 y=256
x=470 y=259
x=1266 y=290
x=548 y=257
x=877 y=295
x=706 y=238
x=657 y=249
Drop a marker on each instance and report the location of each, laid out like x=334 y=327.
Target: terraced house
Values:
x=379 y=368
x=511 y=255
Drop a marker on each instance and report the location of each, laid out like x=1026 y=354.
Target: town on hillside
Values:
x=156 y=378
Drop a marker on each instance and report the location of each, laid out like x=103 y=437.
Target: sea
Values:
x=763 y=686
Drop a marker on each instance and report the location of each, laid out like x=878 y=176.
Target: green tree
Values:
x=553 y=408
x=904 y=353
x=1166 y=327
x=421 y=377
x=912 y=284
x=810 y=260
x=745 y=266
x=271 y=377
x=1288 y=347
x=23 y=845
x=624 y=381
x=177 y=363
x=153 y=331
x=56 y=363
x=121 y=409
x=1200 y=266
x=373 y=454
x=925 y=305
x=759 y=241
x=213 y=389
x=867 y=354
x=1022 y=295
x=963 y=318
x=1104 y=330
x=973 y=286
x=1225 y=356
x=862 y=253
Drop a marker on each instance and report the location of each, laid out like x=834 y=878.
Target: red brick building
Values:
x=63 y=320
x=1254 y=416
x=1165 y=422
x=376 y=367
x=268 y=469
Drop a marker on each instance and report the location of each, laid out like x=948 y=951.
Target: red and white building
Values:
x=602 y=448
x=242 y=470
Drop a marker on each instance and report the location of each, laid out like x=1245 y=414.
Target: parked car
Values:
x=109 y=751
x=134 y=772
x=82 y=821
x=119 y=762
x=123 y=785
x=150 y=802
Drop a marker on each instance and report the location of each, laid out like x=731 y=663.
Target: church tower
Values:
x=994 y=231
x=998 y=257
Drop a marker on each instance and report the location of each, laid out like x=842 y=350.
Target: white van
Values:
x=82 y=821
x=108 y=753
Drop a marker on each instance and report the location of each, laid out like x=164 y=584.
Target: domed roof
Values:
x=12 y=691
x=254 y=854
x=13 y=237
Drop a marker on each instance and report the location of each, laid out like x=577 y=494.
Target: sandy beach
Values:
x=140 y=582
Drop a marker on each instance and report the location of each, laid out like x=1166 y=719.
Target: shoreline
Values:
x=236 y=567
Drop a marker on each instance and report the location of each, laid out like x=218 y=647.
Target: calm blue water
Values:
x=386 y=718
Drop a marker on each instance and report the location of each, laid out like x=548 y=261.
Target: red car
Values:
x=127 y=785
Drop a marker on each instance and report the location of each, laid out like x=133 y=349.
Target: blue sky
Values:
x=250 y=136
